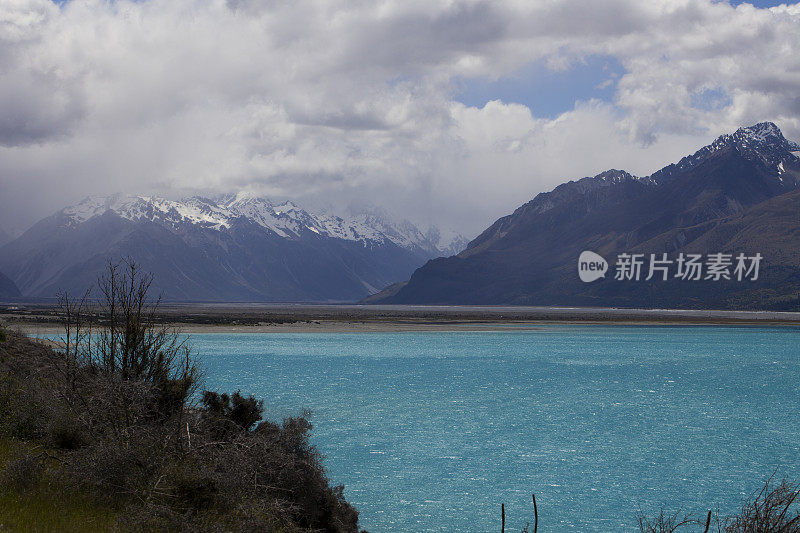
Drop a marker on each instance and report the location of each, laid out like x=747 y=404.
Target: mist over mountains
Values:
x=231 y=248
x=737 y=195
x=740 y=194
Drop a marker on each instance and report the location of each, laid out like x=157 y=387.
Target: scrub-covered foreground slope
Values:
x=738 y=195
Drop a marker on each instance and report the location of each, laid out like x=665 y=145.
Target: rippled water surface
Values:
x=431 y=431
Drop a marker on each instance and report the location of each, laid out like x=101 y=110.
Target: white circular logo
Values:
x=591 y=266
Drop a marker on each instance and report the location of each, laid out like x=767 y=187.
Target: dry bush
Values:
x=773 y=510
x=665 y=522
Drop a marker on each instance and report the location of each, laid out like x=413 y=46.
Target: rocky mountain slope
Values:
x=232 y=248
x=737 y=195
x=7 y=288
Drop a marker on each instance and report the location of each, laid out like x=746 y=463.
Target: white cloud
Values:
x=335 y=100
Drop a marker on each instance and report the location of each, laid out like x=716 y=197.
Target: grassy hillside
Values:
x=82 y=448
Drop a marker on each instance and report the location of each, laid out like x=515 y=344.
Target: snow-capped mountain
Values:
x=763 y=143
x=286 y=220
x=739 y=194
x=236 y=247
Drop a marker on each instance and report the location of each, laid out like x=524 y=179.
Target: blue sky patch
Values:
x=760 y=3
x=710 y=99
x=546 y=92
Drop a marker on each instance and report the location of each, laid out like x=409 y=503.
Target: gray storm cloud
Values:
x=340 y=101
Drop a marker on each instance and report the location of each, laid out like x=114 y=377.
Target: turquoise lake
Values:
x=432 y=431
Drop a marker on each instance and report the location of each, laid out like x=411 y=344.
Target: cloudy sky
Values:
x=451 y=112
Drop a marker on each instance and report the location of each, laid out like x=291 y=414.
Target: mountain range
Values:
x=231 y=248
x=738 y=195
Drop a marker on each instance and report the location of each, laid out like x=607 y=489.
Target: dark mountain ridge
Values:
x=530 y=257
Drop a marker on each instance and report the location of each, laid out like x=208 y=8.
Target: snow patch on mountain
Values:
x=447 y=240
x=191 y=211
x=287 y=220
x=762 y=142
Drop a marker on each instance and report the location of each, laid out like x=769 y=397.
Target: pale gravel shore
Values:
x=307 y=318
x=313 y=327
x=393 y=327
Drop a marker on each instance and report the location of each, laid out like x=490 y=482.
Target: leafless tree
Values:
x=119 y=334
x=77 y=326
x=131 y=342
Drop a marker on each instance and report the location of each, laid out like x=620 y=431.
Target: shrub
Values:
x=665 y=522
x=21 y=415
x=195 y=489
x=228 y=414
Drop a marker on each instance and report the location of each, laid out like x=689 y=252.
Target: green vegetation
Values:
x=41 y=505
x=102 y=434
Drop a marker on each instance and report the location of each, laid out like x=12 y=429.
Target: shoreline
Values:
x=274 y=318
x=50 y=328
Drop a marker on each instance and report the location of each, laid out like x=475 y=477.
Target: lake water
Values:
x=432 y=431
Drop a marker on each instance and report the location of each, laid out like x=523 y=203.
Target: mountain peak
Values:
x=761 y=130
x=238 y=200
x=91 y=206
x=761 y=136
x=191 y=210
x=615 y=176
x=762 y=142
x=286 y=207
x=548 y=200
